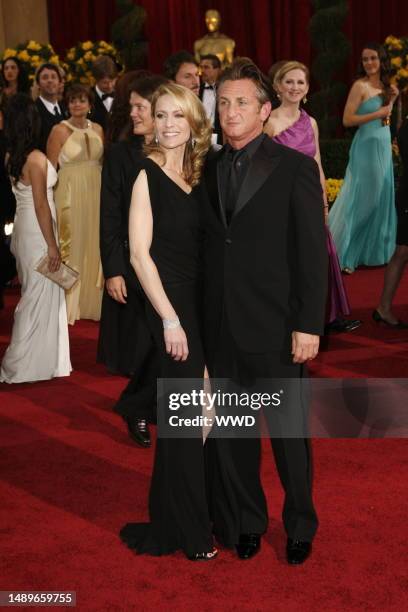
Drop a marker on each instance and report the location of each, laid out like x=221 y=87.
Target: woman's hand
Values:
x=385 y=111
x=176 y=343
x=394 y=91
x=54 y=258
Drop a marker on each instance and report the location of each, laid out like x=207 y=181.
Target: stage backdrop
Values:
x=265 y=30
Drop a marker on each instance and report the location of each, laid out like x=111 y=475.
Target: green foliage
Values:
x=335 y=155
x=333 y=49
x=127 y=34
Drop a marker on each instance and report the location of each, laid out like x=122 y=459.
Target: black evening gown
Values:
x=402 y=193
x=123 y=330
x=179 y=518
x=7 y=212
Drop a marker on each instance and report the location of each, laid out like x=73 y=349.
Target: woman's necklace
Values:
x=181 y=174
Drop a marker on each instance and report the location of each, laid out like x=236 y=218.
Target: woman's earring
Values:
x=156 y=140
x=304 y=100
x=278 y=96
x=193 y=142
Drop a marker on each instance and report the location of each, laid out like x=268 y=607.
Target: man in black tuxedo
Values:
x=51 y=110
x=124 y=337
x=265 y=278
x=105 y=73
x=210 y=67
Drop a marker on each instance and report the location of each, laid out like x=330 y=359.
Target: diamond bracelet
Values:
x=171 y=323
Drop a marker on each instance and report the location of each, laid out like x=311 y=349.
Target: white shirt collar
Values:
x=50 y=105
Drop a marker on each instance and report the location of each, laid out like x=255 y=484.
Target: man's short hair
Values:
x=172 y=64
x=47 y=66
x=147 y=85
x=215 y=61
x=104 y=67
x=244 y=68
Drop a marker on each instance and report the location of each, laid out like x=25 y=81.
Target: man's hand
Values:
x=116 y=288
x=304 y=346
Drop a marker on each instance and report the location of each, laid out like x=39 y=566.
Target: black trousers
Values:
x=237 y=499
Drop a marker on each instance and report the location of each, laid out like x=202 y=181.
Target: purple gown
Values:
x=300 y=136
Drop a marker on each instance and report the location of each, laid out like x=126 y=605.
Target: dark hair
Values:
x=146 y=87
x=47 y=66
x=104 y=67
x=385 y=67
x=77 y=90
x=22 y=131
x=216 y=63
x=119 y=125
x=244 y=68
x=172 y=64
x=23 y=84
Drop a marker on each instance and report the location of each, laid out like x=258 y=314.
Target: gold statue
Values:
x=214 y=43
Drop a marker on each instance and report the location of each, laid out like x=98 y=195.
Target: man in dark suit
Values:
x=210 y=67
x=124 y=338
x=51 y=110
x=265 y=277
x=105 y=73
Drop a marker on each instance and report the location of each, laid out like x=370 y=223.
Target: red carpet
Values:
x=70 y=478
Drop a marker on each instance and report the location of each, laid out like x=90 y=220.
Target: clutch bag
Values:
x=65 y=276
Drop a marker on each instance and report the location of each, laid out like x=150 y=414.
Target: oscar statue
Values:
x=214 y=42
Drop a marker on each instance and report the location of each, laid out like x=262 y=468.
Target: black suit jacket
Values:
x=217 y=126
x=48 y=120
x=120 y=168
x=268 y=268
x=99 y=114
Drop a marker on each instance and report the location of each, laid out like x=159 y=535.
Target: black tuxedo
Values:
x=217 y=126
x=265 y=276
x=48 y=120
x=99 y=114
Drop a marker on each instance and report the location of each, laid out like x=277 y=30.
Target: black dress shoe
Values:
x=139 y=431
x=342 y=325
x=379 y=319
x=297 y=551
x=249 y=545
x=203 y=556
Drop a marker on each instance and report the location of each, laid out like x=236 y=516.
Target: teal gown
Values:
x=363 y=219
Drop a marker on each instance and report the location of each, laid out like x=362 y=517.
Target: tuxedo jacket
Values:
x=120 y=168
x=48 y=120
x=217 y=126
x=99 y=114
x=266 y=271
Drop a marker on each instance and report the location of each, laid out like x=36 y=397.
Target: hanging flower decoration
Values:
x=397 y=50
x=79 y=59
x=32 y=54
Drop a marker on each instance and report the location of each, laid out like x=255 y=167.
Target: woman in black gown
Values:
x=164 y=243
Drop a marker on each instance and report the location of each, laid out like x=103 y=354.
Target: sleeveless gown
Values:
x=363 y=217
x=178 y=508
x=300 y=136
x=39 y=347
x=77 y=198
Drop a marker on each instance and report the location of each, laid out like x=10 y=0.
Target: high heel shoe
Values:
x=203 y=556
x=379 y=319
x=347 y=270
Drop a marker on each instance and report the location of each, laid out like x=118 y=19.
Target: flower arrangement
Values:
x=333 y=187
x=397 y=50
x=79 y=59
x=32 y=54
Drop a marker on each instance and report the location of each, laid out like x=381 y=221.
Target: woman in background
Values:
x=39 y=347
x=14 y=79
x=291 y=126
x=363 y=219
x=76 y=147
x=394 y=270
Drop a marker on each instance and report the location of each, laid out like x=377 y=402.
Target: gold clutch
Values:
x=65 y=276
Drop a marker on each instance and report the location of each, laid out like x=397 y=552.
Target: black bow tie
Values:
x=209 y=87
x=106 y=96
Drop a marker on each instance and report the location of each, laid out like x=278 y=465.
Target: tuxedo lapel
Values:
x=263 y=163
x=212 y=180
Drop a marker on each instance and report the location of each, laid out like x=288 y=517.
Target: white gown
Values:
x=39 y=347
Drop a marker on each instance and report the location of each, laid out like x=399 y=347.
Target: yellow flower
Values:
x=402 y=73
x=87 y=45
x=71 y=54
x=83 y=79
x=35 y=59
x=23 y=55
x=33 y=46
x=89 y=56
x=396 y=62
x=80 y=61
x=332 y=188
x=9 y=53
x=54 y=59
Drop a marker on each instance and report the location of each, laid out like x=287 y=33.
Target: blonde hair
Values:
x=287 y=67
x=200 y=126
